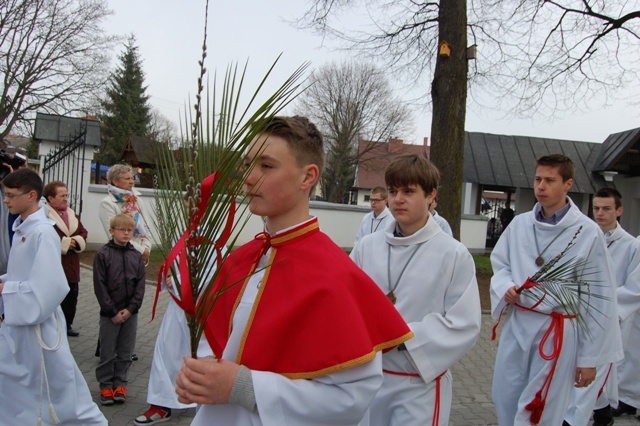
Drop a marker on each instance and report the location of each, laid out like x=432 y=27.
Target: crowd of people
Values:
x=313 y=336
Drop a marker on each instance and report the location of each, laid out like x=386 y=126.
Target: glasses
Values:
x=12 y=196
x=125 y=230
x=376 y=200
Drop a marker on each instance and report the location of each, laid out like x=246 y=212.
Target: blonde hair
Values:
x=122 y=219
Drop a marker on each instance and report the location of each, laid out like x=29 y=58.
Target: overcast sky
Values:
x=169 y=35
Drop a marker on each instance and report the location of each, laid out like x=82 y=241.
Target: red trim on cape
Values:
x=316 y=312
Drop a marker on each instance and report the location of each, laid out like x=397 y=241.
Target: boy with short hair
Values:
x=624 y=389
x=298 y=337
x=40 y=379
x=542 y=350
x=430 y=277
x=118 y=282
x=378 y=217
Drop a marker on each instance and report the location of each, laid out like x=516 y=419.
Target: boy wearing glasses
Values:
x=118 y=282
x=40 y=382
x=377 y=219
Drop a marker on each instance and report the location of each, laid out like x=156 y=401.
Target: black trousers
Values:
x=69 y=303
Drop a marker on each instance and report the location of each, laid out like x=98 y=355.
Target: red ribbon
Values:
x=529 y=284
x=178 y=251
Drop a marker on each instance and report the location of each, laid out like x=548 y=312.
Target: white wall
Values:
x=339 y=221
x=473 y=232
x=469 y=197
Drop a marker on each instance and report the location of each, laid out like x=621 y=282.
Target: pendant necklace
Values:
x=379 y=222
x=391 y=295
x=540 y=259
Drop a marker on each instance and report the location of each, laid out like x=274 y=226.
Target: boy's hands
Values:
x=205 y=380
x=511 y=296
x=121 y=317
x=584 y=376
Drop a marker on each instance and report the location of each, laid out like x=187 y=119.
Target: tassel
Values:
x=54 y=416
x=536 y=407
x=537 y=415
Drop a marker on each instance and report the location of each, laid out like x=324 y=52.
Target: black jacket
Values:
x=118 y=279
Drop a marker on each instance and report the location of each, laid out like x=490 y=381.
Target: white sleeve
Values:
x=442 y=339
x=629 y=292
x=107 y=211
x=34 y=301
x=501 y=281
x=599 y=341
x=336 y=399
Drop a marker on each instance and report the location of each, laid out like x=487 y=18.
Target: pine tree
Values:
x=126 y=107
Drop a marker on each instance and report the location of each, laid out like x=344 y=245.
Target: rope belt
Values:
x=436 y=406
x=536 y=406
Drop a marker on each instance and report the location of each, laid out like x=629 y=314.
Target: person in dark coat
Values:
x=118 y=282
x=73 y=240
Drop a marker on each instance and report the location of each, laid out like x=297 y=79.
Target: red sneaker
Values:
x=155 y=414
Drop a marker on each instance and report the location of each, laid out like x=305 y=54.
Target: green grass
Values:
x=483 y=265
x=156 y=256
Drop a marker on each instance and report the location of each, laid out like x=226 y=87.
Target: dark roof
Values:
x=140 y=151
x=376 y=156
x=58 y=128
x=508 y=161
x=620 y=153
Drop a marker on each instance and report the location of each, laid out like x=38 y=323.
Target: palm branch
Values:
x=219 y=137
x=566 y=283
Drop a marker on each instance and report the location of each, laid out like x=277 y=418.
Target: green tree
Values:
x=126 y=107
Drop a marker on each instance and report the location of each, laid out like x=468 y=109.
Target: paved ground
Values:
x=472 y=375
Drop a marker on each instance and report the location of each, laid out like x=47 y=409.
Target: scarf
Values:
x=62 y=212
x=129 y=205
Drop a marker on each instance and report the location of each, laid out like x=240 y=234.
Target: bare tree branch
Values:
x=349 y=102
x=53 y=57
x=535 y=56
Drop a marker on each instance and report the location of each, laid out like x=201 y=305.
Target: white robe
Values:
x=438 y=297
x=172 y=344
x=443 y=223
x=371 y=224
x=625 y=255
x=34 y=286
x=519 y=370
x=625 y=251
x=335 y=399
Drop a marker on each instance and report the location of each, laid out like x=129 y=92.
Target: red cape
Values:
x=316 y=311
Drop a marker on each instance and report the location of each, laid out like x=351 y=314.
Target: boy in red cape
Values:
x=299 y=338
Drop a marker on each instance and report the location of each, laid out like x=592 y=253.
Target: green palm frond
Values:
x=222 y=127
x=565 y=283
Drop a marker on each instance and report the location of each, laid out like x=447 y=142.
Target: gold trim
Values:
x=351 y=363
x=255 y=305
x=279 y=239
